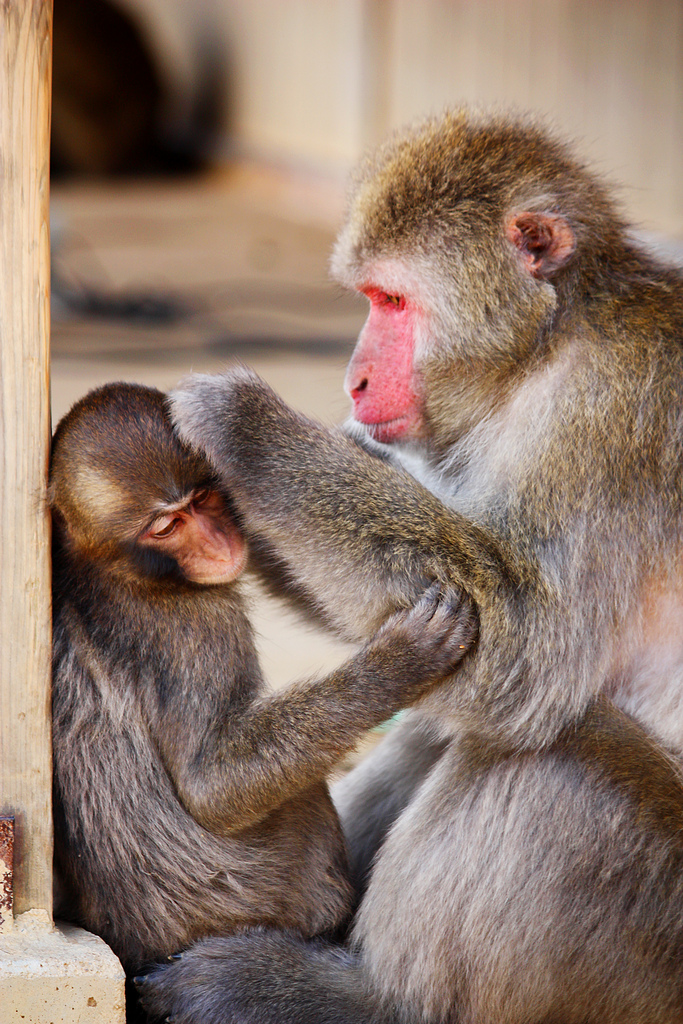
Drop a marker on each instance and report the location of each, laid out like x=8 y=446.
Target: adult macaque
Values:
x=188 y=800
x=524 y=358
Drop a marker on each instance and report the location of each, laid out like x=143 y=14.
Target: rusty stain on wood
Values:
x=6 y=872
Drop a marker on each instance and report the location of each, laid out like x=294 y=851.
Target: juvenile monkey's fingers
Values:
x=449 y=622
x=420 y=646
x=464 y=622
x=440 y=605
x=457 y=609
x=442 y=622
x=427 y=605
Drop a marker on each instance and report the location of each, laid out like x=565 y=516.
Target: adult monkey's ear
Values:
x=544 y=241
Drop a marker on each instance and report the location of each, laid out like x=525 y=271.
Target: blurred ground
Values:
x=153 y=280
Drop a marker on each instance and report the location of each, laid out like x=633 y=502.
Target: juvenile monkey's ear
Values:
x=544 y=241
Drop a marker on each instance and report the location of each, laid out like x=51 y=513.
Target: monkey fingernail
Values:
x=140 y=980
x=175 y=956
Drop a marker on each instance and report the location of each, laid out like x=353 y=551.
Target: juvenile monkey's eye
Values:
x=164 y=528
x=201 y=496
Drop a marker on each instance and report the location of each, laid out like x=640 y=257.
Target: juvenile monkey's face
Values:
x=199 y=533
x=122 y=482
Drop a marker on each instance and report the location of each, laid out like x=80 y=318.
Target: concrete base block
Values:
x=60 y=975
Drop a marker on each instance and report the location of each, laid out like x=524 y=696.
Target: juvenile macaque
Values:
x=189 y=801
x=524 y=359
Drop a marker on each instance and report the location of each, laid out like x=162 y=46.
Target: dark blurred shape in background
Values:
x=111 y=105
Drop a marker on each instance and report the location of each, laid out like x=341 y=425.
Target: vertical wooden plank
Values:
x=25 y=750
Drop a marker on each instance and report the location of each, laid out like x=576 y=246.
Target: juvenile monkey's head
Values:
x=124 y=491
x=467 y=234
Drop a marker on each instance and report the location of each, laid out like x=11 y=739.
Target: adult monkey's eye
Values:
x=395 y=300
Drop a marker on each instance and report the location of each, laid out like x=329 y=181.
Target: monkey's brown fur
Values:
x=188 y=800
x=521 y=833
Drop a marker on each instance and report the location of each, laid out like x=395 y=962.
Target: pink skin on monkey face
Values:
x=201 y=536
x=379 y=379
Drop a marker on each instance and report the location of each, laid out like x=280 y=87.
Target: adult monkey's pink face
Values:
x=380 y=379
x=460 y=264
x=401 y=342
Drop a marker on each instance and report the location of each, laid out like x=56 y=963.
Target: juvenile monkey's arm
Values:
x=360 y=536
x=363 y=538
x=232 y=769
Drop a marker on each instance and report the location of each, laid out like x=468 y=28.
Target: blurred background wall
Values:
x=308 y=84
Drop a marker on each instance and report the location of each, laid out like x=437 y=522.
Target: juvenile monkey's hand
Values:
x=420 y=646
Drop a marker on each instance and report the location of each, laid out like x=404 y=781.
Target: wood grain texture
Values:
x=25 y=752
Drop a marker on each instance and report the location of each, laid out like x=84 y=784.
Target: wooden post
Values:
x=25 y=749
x=47 y=976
